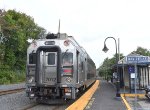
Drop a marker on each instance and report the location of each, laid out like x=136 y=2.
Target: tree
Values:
x=17 y=27
x=105 y=70
x=2 y=46
x=142 y=51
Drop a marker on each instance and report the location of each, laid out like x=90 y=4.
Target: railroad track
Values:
x=30 y=106
x=35 y=105
x=40 y=106
x=4 y=92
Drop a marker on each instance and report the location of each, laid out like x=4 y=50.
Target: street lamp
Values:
x=105 y=49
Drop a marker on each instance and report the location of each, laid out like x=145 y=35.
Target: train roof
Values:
x=61 y=36
x=64 y=36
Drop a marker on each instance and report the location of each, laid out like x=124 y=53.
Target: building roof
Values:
x=135 y=59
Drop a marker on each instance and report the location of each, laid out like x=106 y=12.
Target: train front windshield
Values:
x=67 y=58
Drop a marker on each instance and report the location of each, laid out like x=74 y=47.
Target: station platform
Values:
x=105 y=98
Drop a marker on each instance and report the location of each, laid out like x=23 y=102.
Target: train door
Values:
x=82 y=69
x=85 y=70
x=77 y=63
x=49 y=76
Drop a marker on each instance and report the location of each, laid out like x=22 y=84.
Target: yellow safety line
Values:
x=135 y=95
x=125 y=102
x=130 y=95
x=81 y=103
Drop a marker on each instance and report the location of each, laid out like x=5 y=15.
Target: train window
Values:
x=32 y=58
x=67 y=58
x=82 y=66
x=51 y=59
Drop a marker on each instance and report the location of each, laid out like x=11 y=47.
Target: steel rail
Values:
x=11 y=91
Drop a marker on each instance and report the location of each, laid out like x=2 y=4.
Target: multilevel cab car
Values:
x=58 y=68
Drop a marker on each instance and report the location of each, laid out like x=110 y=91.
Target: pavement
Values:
x=104 y=98
x=12 y=86
x=141 y=103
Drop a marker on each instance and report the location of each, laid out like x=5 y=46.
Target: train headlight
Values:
x=31 y=79
x=66 y=42
x=68 y=79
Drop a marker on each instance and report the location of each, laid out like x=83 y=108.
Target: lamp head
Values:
x=105 y=49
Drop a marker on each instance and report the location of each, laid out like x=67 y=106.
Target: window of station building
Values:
x=32 y=58
x=51 y=59
x=67 y=58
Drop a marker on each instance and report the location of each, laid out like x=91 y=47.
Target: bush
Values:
x=11 y=76
x=4 y=80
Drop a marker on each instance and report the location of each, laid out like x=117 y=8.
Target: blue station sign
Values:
x=131 y=69
x=137 y=59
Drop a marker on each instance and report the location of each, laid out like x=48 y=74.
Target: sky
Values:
x=90 y=22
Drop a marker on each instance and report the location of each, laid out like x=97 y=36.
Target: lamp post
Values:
x=105 y=49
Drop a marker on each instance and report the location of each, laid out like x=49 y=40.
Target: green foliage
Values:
x=9 y=76
x=17 y=28
x=105 y=70
x=142 y=51
x=10 y=57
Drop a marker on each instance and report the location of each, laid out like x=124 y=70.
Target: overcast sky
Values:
x=91 y=21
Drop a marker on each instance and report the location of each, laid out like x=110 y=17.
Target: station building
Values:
x=134 y=70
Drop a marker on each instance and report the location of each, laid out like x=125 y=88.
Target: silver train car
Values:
x=57 y=69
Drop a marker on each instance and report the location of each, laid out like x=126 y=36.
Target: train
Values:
x=57 y=69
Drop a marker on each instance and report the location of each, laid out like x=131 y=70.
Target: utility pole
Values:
x=118 y=49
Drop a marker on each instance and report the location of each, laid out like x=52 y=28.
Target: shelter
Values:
x=134 y=70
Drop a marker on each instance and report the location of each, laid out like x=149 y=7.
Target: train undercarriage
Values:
x=53 y=95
